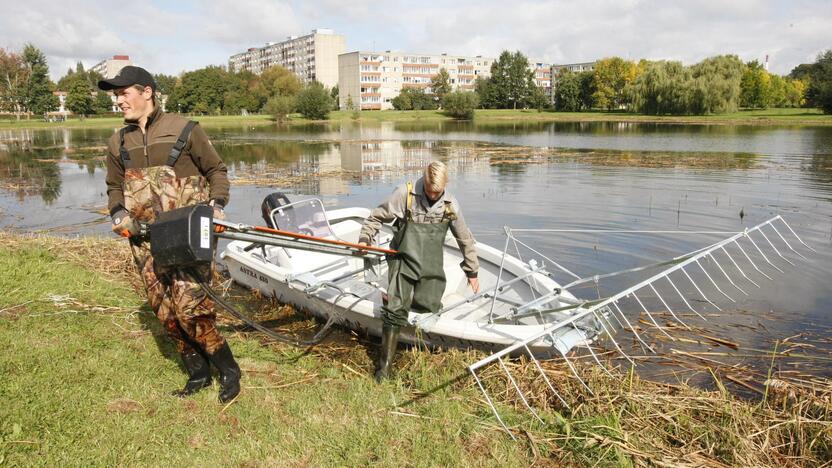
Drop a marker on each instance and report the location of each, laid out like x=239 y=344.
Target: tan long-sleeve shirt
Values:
x=423 y=212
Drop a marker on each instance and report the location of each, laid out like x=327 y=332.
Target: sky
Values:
x=174 y=37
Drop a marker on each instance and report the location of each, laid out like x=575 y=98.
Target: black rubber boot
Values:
x=389 y=341
x=199 y=374
x=224 y=361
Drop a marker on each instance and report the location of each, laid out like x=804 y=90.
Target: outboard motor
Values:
x=272 y=201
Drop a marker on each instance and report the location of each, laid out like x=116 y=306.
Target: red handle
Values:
x=327 y=241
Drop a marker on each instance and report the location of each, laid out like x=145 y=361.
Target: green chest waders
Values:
x=416 y=274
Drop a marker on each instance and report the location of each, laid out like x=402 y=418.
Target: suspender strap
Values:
x=180 y=143
x=122 y=151
x=408 y=211
x=449 y=211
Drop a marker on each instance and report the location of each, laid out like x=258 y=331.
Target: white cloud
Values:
x=187 y=36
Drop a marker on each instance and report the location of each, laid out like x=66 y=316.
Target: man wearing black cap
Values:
x=156 y=163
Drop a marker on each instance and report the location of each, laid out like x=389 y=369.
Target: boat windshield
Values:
x=303 y=217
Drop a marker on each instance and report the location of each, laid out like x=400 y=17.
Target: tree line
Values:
x=715 y=85
x=26 y=89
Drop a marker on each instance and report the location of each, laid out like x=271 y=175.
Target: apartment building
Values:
x=572 y=67
x=371 y=79
x=543 y=76
x=313 y=57
x=109 y=68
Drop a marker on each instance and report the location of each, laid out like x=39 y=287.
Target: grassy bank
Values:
x=86 y=372
x=755 y=117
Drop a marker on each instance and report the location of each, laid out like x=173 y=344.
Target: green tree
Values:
x=511 y=82
x=314 y=101
x=280 y=107
x=755 y=86
x=333 y=93
x=460 y=104
x=350 y=106
x=276 y=81
x=818 y=77
x=13 y=78
x=568 y=92
x=37 y=91
x=587 y=89
x=201 y=91
x=90 y=76
x=611 y=77
x=718 y=81
x=413 y=99
x=165 y=84
x=663 y=88
x=537 y=98
x=485 y=90
x=440 y=84
x=103 y=103
x=79 y=97
x=795 y=93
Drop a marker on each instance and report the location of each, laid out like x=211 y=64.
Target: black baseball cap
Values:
x=128 y=76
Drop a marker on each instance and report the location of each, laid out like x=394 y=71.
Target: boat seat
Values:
x=304 y=261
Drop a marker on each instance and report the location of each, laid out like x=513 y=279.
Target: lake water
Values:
x=530 y=175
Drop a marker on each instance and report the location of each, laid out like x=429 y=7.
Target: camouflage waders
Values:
x=178 y=302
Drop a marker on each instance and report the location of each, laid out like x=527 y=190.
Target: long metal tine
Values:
x=519 y=392
x=668 y=307
x=491 y=404
x=718 y=265
x=738 y=267
x=795 y=234
x=712 y=281
x=632 y=328
x=556 y=264
x=602 y=321
x=748 y=236
x=787 y=242
x=499 y=274
x=682 y=296
x=699 y=290
x=752 y=261
x=569 y=363
x=546 y=378
x=589 y=348
x=773 y=247
x=651 y=316
x=533 y=285
x=620 y=325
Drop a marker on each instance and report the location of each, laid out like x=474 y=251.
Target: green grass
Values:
x=746 y=117
x=86 y=372
x=86 y=379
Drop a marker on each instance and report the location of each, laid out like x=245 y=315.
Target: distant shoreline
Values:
x=763 y=117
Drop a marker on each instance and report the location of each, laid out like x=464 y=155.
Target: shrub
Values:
x=314 y=102
x=461 y=104
x=280 y=107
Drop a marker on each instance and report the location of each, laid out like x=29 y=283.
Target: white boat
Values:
x=521 y=309
x=326 y=284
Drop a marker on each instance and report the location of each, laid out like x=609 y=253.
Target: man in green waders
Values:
x=422 y=213
x=156 y=163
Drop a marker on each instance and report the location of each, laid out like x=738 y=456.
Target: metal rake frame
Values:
x=600 y=311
